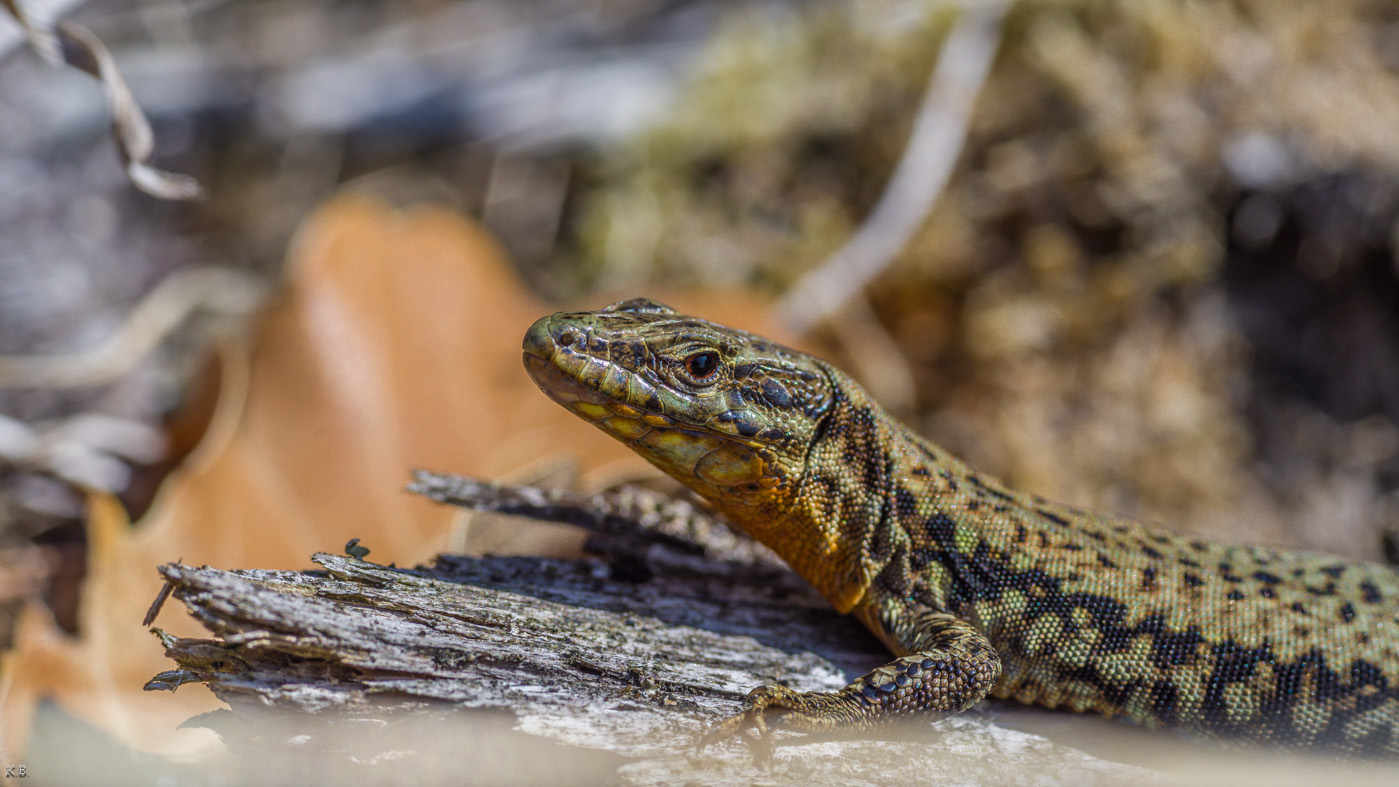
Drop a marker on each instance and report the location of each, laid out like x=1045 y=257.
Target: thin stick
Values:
x=152 y=320
x=64 y=43
x=939 y=132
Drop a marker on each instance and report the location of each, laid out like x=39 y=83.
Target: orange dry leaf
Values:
x=396 y=345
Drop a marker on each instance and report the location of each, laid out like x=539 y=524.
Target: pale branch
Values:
x=159 y=313
x=939 y=133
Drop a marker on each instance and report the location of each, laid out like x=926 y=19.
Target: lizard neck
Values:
x=834 y=529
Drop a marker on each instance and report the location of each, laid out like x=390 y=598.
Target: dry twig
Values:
x=939 y=133
x=63 y=42
x=155 y=317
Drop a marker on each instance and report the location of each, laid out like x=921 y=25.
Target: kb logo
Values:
x=16 y=771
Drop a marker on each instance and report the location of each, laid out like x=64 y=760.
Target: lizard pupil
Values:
x=702 y=365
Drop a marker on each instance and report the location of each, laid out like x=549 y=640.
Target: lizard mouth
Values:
x=623 y=421
x=563 y=375
x=562 y=388
x=542 y=361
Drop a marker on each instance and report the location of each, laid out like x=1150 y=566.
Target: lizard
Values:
x=977 y=589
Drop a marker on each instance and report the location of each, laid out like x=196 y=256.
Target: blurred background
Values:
x=1159 y=278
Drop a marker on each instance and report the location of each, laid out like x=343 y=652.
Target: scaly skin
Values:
x=978 y=589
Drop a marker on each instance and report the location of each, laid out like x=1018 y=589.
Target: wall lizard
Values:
x=978 y=589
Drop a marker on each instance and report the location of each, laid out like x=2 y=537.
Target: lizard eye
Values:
x=703 y=365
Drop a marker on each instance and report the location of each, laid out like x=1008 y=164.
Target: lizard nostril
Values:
x=567 y=338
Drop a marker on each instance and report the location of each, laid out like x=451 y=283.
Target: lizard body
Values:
x=978 y=589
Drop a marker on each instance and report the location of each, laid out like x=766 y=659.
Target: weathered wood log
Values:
x=545 y=638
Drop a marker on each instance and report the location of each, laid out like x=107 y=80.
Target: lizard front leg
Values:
x=949 y=668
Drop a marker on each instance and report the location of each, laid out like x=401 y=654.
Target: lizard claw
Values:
x=761 y=701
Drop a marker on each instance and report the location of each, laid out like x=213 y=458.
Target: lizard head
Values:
x=727 y=413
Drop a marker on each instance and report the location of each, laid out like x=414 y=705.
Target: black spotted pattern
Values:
x=982 y=590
